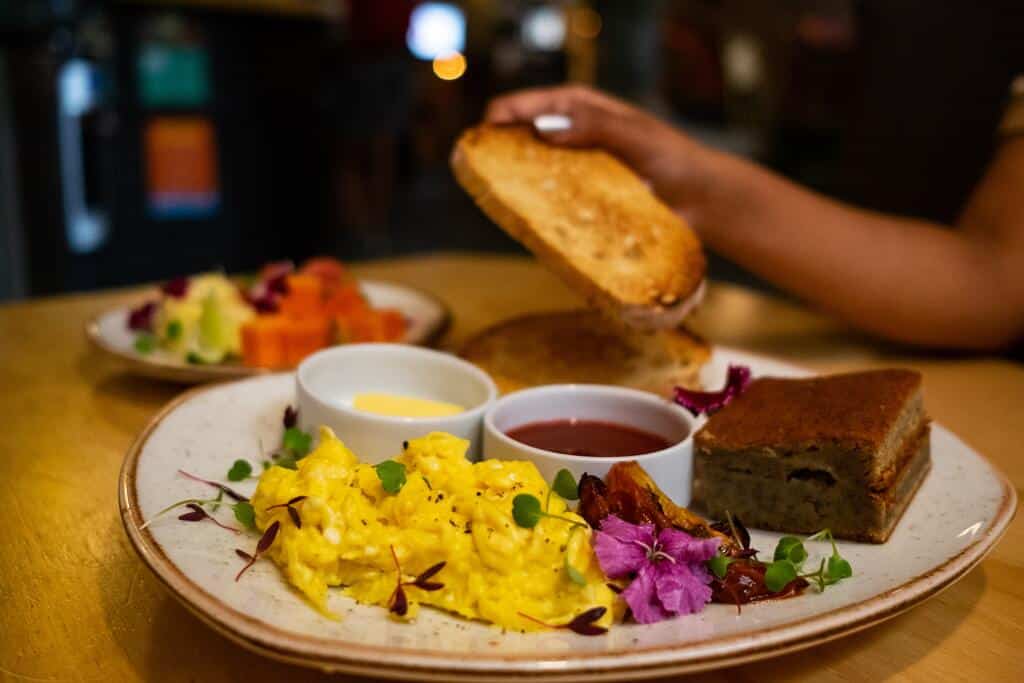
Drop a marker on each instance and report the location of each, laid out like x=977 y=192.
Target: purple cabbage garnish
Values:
x=709 y=402
x=176 y=288
x=141 y=319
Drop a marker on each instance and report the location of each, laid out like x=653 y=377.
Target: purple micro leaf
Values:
x=267 y=539
x=176 y=288
x=197 y=514
x=399 y=603
x=429 y=572
x=428 y=585
x=141 y=319
x=583 y=623
x=291 y=417
x=234 y=495
x=708 y=402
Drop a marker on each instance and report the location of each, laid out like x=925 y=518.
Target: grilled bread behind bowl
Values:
x=580 y=346
x=590 y=219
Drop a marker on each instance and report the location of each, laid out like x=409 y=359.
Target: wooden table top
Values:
x=77 y=604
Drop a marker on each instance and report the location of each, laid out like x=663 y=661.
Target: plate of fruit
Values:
x=210 y=326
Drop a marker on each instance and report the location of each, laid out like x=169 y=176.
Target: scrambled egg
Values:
x=449 y=510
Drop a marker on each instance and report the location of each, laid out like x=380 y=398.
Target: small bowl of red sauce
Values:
x=587 y=428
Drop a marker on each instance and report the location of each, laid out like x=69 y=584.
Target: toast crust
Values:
x=580 y=346
x=589 y=219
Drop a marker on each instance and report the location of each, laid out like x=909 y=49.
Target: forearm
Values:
x=904 y=279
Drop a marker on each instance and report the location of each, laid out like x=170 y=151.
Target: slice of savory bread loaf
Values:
x=843 y=452
x=590 y=219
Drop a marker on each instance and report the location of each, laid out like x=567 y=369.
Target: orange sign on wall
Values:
x=181 y=167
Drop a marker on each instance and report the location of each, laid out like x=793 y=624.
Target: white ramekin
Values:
x=670 y=468
x=327 y=382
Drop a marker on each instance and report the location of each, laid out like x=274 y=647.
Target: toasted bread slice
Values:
x=580 y=346
x=590 y=219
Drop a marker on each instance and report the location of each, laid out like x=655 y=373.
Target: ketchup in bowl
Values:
x=592 y=438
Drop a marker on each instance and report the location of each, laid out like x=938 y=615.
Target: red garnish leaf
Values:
x=429 y=572
x=141 y=319
x=244 y=555
x=176 y=288
x=708 y=402
x=234 y=495
x=294 y=514
x=263 y=300
x=583 y=623
x=428 y=585
x=734 y=528
x=198 y=514
x=291 y=417
x=399 y=604
x=268 y=538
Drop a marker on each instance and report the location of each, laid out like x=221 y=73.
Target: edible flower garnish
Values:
x=266 y=540
x=708 y=402
x=582 y=623
x=398 y=603
x=668 y=569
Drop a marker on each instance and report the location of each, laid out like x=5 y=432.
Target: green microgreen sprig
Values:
x=240 y=471
x=391 y=474
x=790 y=556
x=145 y=343
x=526 y=511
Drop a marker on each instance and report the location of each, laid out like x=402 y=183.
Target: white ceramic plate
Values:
x=428 y=317
x=960 y=512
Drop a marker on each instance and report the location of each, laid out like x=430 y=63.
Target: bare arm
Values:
x=901 y=278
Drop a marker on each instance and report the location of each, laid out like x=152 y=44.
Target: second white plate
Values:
x=427 y=315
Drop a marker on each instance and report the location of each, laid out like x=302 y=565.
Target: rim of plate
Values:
x=182 y=372
x=334 y=655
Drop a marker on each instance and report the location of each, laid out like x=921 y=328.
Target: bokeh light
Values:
x=450 y=66
x=436 y=29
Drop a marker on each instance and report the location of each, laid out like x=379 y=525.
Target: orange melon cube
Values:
x=304 y=298
x=303 y=336
x=263 y=344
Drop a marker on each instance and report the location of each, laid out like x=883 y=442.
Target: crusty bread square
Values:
x=587 y=217
x=580 y=346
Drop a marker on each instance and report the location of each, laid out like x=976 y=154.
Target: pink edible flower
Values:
x=670 y=576
x=708 y=402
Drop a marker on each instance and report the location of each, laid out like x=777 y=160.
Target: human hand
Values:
x=674 y=165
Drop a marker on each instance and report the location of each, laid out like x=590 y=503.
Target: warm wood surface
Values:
x=76 y=603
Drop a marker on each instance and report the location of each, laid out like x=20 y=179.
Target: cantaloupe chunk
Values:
x=263 y=342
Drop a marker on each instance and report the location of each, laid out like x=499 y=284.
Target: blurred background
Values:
x=141 y=140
